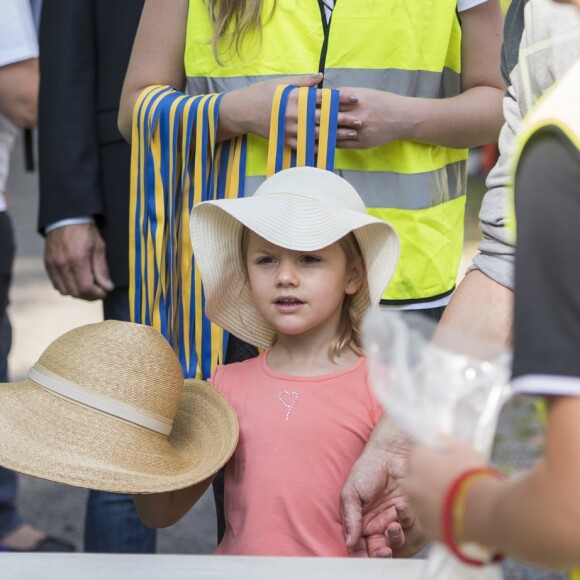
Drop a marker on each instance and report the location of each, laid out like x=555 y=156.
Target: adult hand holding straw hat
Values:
x=106 y=407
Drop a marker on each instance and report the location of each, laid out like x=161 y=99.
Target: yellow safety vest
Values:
x=407 y=47
x=556 y=110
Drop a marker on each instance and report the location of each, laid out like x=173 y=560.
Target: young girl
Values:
x=291 y=270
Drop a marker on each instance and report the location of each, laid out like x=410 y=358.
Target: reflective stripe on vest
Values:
x=401 y=82
x=411 y=178
x=558 y=108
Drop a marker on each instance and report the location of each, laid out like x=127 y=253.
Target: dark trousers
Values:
x=9 y=518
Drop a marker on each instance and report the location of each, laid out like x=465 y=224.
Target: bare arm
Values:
x=157 y=56
x=481 y=307
x=160 y=510
x=499 y=516
x=472 y=118
x=475 y=116
x=496 y=255
x=19 y=92
x=534 y=518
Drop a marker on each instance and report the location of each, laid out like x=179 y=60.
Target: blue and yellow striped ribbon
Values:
x=175 y=164
x=280 y=156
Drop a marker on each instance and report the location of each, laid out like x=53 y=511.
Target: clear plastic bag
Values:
x=433 y=381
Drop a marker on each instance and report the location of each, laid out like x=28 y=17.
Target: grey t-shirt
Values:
x=542 y=40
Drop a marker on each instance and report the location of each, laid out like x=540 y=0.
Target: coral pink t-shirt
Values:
x=299 y=438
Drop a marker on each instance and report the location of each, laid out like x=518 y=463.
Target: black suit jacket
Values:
x=84 y=162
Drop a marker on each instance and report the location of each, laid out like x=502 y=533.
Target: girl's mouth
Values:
x=288 y=305
x=288 y=301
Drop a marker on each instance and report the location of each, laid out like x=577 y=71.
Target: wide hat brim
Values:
x=50 y=437
x=290 y=220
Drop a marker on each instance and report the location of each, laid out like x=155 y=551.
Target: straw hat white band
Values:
x=52 y=382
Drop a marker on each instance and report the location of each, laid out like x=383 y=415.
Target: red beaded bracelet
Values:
x=453 y=510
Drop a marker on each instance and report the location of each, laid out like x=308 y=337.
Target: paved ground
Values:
x=40 y=315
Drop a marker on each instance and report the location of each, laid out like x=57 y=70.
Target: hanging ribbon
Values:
x=281 y=156
x=175 y=164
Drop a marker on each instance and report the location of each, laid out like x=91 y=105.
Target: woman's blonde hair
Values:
x=348 y=335
x=238 y=16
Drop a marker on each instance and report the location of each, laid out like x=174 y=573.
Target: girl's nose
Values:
x=286 y=275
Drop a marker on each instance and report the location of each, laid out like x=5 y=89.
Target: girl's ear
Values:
x=356 y=273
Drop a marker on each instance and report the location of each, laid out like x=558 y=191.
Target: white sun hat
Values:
x=302 y=209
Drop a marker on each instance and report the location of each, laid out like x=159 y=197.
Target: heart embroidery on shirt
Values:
x=288 y=400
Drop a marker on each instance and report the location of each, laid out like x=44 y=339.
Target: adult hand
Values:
x=249 y=110
x=440 y=467
x=377 y=117
x=348 y=123
x=376 y=517
x=75 y=260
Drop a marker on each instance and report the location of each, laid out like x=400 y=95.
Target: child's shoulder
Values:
x=236 y=369
x=229 y=376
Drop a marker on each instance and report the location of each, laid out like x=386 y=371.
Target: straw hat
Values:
x=302 y=209
x=106 y=407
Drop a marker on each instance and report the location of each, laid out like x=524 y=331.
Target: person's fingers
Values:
x=74 y=278
x=347 y=100
x=412 y=537
x=358 y=550
x=342 y=134
x=377 y=547
x=346 y=134
x=395 y=536
x=348 y=123
x=351 y=514
x=84 y=280
x=405 y=515
x=100 y=268
x=343 y=120
x=348 y=120
x=58 y=281
x=58 y=269
x=302 y=80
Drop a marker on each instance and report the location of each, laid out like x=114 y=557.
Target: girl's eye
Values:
x=310 y=259
x=265 y=260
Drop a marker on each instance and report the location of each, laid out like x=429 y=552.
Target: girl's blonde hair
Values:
x=348 y=335
x=350 y=319
x=238 y=16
